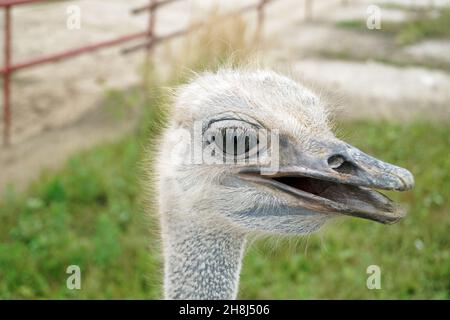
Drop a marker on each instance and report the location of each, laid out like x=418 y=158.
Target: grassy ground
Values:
x=426 y=24
x=422 y=24
x=90 y=214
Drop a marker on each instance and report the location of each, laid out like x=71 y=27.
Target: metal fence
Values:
x=148 y=37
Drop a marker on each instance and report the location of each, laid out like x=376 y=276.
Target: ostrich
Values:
x=211 y=201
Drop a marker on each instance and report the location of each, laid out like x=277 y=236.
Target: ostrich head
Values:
x=252 y=152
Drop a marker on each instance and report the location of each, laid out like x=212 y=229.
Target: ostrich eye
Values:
x=236 y=140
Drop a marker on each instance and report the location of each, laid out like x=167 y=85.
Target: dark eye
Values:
x=234 y=140
x=237 y=142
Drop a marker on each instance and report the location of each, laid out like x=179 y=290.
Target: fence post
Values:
x=7 y=77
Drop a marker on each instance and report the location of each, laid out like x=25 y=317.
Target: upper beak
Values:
x=340 y=178
x=349 y=165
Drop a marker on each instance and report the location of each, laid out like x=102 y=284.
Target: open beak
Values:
x=337 y=178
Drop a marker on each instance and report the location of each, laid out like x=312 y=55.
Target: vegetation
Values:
x=424 y=24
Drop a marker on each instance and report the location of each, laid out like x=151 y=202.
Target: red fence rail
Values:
x=149 y=37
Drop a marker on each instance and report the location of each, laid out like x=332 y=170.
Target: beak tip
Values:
x=407 y=180
x=400 y=213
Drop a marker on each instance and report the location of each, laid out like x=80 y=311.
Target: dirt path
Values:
x=341 y=63
x=377 y=91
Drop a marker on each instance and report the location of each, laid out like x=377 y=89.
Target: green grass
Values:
x=425 y=24
x=352 y=24
x=86 y=214
x=90 y=214
x=400 y=62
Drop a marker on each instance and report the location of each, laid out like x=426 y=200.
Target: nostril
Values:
x=338 y=163
x=335 y=161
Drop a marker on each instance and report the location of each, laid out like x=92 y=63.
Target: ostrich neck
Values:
x=201 y=261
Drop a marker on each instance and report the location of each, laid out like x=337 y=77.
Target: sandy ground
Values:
x=57 y=107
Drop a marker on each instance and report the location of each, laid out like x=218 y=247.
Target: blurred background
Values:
x=71 y=161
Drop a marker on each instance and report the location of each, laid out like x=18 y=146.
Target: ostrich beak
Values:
x=337 y=178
